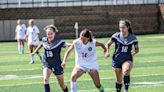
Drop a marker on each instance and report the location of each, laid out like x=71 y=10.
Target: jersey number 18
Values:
x=124 y=49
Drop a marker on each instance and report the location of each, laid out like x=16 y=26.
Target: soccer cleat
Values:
x=102 y=91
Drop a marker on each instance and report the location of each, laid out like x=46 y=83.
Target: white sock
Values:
x=19 y=49
x=40 y=57
x=73 y=86
x=22 y=49
x=31 y=57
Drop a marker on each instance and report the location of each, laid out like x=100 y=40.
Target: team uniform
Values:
x=32 y=32
x=21 y=31
x=123 y=47
x=51 y=58
x=86 y=58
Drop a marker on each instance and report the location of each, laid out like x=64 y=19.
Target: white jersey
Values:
x=21 y=31
x=85 y=54
x=32 y=32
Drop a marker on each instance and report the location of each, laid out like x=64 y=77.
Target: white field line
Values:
x=95 y=90
x=34 y=77
x=15 y=77
x=20 y=69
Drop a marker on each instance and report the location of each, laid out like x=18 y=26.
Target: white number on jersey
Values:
x=124 y=49
x=49 y=53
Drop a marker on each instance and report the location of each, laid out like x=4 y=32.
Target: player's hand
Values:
x=63 y=64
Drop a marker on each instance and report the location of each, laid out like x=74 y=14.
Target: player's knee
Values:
x=46 y=80
x=73 y=78
x=126 y=72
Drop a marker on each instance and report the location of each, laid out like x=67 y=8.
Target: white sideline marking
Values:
x=14 y=77
x=148 y=83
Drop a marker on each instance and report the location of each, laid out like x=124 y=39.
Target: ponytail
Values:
x=88 y=34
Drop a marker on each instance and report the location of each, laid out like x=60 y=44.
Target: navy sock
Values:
x=126 y=82
x=46 y=88
x=118 y=87
x=65 y=90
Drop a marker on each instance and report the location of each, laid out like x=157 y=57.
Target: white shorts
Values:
x=88 y=68
x=35 y=43
x=21 y=37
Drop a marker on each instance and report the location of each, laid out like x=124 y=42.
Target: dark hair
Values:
x=128 y=25
x=51 y=26
x=87 y=33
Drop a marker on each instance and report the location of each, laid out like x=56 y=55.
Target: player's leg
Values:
x=40 y=57
x=46 y=76
x=126 y=68
x=22 y=46
x=19 y=46
x=60 y=79
x=95 y=77
x=118 y=77
x=76 y=73
x=31 y=48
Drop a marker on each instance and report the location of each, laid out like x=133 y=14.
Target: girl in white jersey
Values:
x=32 y=37
x=20 y=34
x=86 y=59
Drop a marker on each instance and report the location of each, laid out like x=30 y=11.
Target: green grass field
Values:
x=16 y=75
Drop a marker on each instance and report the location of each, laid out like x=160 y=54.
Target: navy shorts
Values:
x=56 y=69
x=118 y=61
x=118 y=64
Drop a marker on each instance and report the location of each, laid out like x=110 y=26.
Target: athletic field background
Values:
x=17 y=75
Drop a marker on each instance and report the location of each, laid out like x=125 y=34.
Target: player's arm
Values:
x=67 y=55
x=26 y=37
x=102 y=46
x=68 y=44
x=37 y=49
x=107 y=45
x=37 y=36
x=15 y=35
x=136 y=49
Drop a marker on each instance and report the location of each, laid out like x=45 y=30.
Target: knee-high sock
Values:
x=46 y=88
x=73 y=86
x=31 y=57
x=19 y=49
x=126 y=82
x=22 y=49
x=118 y=87
x=66 y=89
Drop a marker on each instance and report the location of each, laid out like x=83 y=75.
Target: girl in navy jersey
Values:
x=122 y=64
x=86 y=59
x=51 y=59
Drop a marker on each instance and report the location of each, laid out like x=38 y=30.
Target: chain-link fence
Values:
x=66 y=3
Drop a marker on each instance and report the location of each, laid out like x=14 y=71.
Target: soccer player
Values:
x=86 y=59
x=51 y=59
x=126 y=46
x=32 y=37
x=20 y=34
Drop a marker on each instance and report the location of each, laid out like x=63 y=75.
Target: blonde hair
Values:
x=52 y=27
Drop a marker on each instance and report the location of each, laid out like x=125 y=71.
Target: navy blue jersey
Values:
x=123 y=46
x=52 y=51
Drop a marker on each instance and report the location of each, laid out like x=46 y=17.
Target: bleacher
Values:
x=102 y=19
